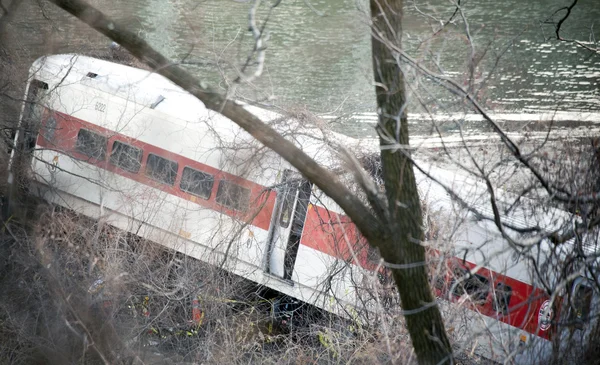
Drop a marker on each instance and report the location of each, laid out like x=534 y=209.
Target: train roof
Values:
x=142 y=86
x=154 y=91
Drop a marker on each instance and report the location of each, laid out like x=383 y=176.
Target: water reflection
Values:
x=159 y=25
x=324 y=62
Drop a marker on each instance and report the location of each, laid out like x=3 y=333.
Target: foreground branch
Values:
x=324 y=179
x=558 y=27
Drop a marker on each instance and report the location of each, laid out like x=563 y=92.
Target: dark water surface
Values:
x=321 y=59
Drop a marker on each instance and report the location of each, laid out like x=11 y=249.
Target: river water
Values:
x=318 y=53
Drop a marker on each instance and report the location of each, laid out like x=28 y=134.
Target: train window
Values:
x=126 y=157
x=91 y=144
x=233 y=196
x=440 y=281
x=161 y=169
x=502 y=296
x=475 y=285
x=197 y=182
x=457 y=274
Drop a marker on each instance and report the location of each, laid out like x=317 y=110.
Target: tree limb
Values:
x=558 y=26
x=365 y=221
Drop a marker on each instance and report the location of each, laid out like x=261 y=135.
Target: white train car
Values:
x=519 y=307
x=128 y=147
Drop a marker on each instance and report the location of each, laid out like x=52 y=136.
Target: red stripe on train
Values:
x=324 y=230
x=262 y=199
x=335 y=235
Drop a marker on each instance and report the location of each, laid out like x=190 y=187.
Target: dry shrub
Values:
x=80 y=291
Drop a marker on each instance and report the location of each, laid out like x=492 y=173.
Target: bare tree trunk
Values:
x=423 y=317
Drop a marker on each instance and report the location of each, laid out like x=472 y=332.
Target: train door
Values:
x=293 y=197
x=24 y=139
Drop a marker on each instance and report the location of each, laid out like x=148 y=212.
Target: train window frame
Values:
x=502 y=296
x=83 y=148
x=470 y=282
x=457 y=287
x=225 y=199
x=439 y=282
x=118 y=160
x=207 y=183
x=149 y=171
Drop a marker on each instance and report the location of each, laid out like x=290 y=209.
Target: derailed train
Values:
x=128 y=147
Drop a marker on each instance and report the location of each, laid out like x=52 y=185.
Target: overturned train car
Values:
x=128 y=147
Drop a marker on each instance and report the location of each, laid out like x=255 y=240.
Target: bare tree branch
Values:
x=555 y=192
x=324 y=179
x=560 y=22
x=558 y=26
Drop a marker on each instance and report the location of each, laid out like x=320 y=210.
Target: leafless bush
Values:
x=77 y=290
